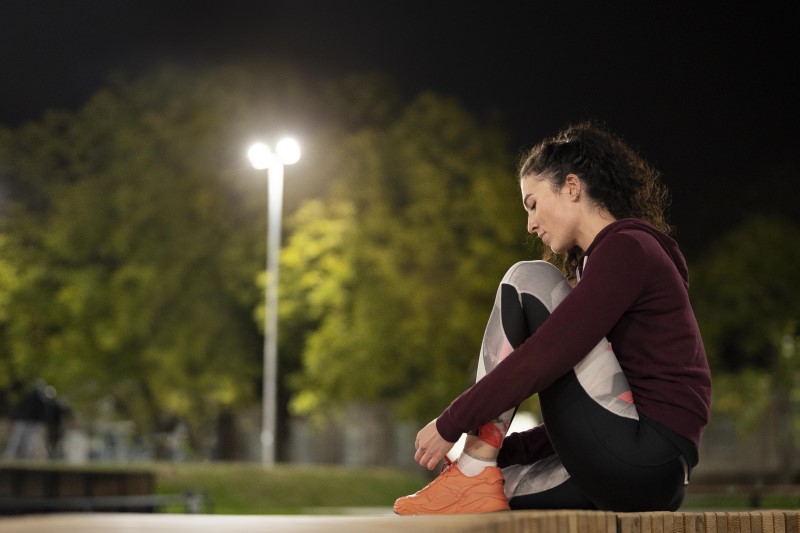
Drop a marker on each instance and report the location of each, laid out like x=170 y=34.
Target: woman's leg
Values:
x=525 y=297
x=475 y=484
x=544 y=484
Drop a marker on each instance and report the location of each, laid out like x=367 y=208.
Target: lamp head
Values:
x=288 y=151
x=260 y=156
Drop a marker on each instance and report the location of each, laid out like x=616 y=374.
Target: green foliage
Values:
x=9 y=285
x=744 y=395
x=745 y=294
x=745 y=298
x=419 y=227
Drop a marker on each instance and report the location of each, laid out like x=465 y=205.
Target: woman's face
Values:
x=551 y=214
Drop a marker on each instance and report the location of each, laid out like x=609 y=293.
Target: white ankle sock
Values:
x=472 y=466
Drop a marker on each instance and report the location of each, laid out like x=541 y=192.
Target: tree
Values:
x=745 y=296
x=134 y=236
x=745 y=293
x=9 y=284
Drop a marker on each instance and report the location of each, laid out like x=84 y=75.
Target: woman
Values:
x=621 y=426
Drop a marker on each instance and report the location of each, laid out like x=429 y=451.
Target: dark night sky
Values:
x=708 y=94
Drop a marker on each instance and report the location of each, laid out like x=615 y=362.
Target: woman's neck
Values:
x=595 y=223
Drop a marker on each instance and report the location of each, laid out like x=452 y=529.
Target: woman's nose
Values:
x=532 y=225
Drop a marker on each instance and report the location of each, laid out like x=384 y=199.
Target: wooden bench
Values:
x=145 y=503
x=710 y=522
x=42 y=489
x=658 y=522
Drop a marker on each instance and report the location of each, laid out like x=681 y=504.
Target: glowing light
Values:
x=288 y=151
x=260 y=156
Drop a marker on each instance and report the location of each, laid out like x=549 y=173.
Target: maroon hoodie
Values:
x=633 y=290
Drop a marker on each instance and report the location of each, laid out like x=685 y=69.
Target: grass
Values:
x=247 y=488
x=740 y=502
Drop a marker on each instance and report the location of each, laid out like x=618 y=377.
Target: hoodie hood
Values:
x=666 y=242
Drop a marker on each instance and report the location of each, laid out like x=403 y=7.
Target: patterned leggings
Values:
x=608 y=456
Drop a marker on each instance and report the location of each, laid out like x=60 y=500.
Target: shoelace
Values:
x=444 y=468
x=448 y=463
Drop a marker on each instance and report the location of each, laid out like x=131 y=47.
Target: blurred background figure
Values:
x=37 y=424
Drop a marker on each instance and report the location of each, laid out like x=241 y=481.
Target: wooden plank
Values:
x=628 y=523
x=755 y=522
x=734 y=521
x=636 y=523
x=722 y=522
x=572 y=522
x=551 y=521
x=7 y=479
x=744 y=521
x=607 y=522
x=71 y=485
x=646 y=522
x=138 y=483
x=33 y=484
x=710 y=520
x=669 y=523
x=611 y=523
x=565 y=522
x=658 y=523
x=106 y=484
x=584 y=523
x=688 y=522
x=678 y=523
x=779 y=521
x=767 y=525
x=700 y=524
x=792 y=522
x=532 y=522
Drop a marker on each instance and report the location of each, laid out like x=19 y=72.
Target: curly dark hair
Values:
x=614 y=176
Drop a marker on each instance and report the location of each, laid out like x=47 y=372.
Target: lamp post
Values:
x=287 y=152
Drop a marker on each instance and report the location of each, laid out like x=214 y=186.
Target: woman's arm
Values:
x=614 y=278
x=525 y=447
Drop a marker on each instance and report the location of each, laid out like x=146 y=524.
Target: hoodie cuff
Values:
x=447 y=427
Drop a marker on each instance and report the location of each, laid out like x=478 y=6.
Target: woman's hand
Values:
x=431 y=447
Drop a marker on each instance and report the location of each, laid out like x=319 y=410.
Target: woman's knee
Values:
x=540 y=279
x=536 y=267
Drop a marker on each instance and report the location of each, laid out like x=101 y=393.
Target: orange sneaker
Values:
x=454 y=493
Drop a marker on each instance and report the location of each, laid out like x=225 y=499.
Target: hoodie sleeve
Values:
x=614 y=277
x=525 y=447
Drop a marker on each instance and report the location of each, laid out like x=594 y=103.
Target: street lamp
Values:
x=287 y=152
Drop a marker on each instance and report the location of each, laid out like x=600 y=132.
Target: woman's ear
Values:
x=573 y=187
